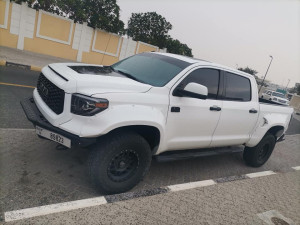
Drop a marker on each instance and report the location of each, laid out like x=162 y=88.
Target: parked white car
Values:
x=152 y=104
x=275 y=97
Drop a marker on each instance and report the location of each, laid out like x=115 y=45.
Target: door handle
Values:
x=175 y=109
x=215 y=108
x=252 y=111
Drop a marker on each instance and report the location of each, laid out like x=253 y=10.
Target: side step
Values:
x=195 y=153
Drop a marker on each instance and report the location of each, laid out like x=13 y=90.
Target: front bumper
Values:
x=35 y=116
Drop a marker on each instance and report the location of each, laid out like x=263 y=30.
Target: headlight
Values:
x=87 y=106
x=275 y=99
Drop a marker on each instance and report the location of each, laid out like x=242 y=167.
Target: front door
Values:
x=191 y=121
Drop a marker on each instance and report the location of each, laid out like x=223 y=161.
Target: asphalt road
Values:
x=33 y=173
x=11 y=112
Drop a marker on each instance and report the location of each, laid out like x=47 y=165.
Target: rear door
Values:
x=192 y=121
x=239 y=111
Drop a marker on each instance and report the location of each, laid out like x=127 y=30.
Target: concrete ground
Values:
x=240 y=202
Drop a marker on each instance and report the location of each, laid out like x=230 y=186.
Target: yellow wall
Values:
x=6 y=38
x=47 y=47
x=58 y=30
x=96 y=57
x=2 y=12
x=106 y=42
x=145 y=48
x=55 y=27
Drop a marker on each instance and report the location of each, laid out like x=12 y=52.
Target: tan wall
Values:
x=295 y=102
x=54 y=27
x=48 y=47
x=106 y=42
x=146 y=48
x=60 y=37
x=2 y=12
x=6 y=38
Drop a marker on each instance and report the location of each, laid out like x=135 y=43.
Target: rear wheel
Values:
x=119 y=162
x=259 y=155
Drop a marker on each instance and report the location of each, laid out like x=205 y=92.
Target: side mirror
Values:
x=193 y=90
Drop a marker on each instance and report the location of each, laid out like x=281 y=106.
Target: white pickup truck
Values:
x=275 y=97
x=152 y=104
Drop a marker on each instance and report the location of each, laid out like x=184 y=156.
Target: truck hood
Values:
x=90 y=79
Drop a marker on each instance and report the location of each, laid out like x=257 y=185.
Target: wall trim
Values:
x=49 y=38
x=4 y=26
x=103 y=52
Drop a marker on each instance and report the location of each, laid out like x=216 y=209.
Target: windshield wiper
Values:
x=128 y=75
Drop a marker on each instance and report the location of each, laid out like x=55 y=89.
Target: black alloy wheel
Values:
x=123 y=166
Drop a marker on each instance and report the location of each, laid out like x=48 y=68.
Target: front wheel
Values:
x=119 y=162
x=259 y=155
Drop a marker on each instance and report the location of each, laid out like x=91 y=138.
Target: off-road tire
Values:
x=259 y=155
x=104 y=154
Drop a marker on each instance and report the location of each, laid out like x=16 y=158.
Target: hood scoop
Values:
x=92 y=70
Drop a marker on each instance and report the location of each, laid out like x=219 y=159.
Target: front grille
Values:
x=53 y=96
x=281 y=101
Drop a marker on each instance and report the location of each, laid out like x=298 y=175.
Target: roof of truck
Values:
x=203 y=62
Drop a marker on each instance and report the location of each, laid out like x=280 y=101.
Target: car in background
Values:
x=275 y=97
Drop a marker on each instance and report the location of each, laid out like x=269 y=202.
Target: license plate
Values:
x=53 y=136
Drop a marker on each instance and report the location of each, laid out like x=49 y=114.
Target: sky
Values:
x=234 y=33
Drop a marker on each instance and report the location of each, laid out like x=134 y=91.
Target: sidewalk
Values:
x=272 y=198
x=28 y=58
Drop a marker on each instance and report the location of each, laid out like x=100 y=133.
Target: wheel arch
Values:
x=277 y=130
x=150 y=133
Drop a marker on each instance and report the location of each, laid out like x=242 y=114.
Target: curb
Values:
x=108 y=199
x=27 y=67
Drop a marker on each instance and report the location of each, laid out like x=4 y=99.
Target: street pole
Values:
x=265 y=74
x=287 y=84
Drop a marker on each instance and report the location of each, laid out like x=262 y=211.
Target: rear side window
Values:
x=206 y=77
x=237 y=88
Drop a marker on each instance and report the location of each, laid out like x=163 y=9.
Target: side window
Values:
x=207 y=77
x=237 y=88
x=269 y=93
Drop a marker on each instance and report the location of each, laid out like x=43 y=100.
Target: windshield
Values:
x=277 y=94
x=154 y=69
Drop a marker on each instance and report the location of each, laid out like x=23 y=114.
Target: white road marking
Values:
x=84 y=203
x=267 y=217
x=55 y=208
x=260 y=174
x=186 y=186
x=296 y=168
